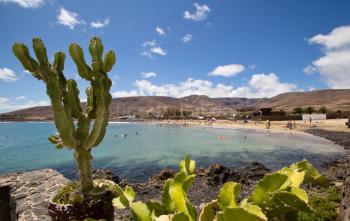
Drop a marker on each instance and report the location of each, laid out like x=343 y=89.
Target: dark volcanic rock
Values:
x=105 y=174
x=335 y=170
x=338 y=137
x=163 y=175
x=255 y=171
x=217 y=174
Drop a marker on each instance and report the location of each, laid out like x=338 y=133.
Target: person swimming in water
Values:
x=221 y=137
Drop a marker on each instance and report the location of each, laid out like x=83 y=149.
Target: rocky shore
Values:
x=339 y=137
x=25 y=196
x=209 y=181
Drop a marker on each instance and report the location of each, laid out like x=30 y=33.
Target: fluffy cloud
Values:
x=147 y=54
x=200 y=14
x=20 y=97
x=158 y=50
x=309 y=69
x=229 y=70
x=334 y=65
x=267 y=85
x=100 y=23
x=7 y=105
x=68 y=18
x=152 y=48
x=187 y=38
x=338 y=38
x=149 y=43
x=148 y=74
x=25 y=3
x=7 y=74
x=132 y=93
x=260 y=85
x=160 y=31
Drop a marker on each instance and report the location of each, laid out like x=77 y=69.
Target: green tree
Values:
x=322 y=110
x=309 y=110
x=298 y=110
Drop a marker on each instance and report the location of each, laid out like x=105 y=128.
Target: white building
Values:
x=314 y=116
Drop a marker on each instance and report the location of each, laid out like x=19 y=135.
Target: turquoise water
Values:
x=148 y=148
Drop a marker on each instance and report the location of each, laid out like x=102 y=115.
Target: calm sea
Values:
x=147 y=148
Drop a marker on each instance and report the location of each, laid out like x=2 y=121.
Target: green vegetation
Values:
x=277 y=196
x=298 y=110
x=309 y=110
x=325 y=203
x=65 y=102
x=322 y=110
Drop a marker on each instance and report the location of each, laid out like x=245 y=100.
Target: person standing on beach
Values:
x=268 y=124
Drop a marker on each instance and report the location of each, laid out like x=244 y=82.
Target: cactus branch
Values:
x=65 y=102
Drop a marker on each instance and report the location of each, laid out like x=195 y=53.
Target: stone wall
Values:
x=29 y=193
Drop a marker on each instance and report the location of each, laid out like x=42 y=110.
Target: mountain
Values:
x=336 y=99
x=143 y=105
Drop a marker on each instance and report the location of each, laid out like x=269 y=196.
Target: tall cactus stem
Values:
x=83 y=158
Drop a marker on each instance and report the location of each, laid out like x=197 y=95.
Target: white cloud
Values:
x=312 y=88
x=160 y=31
x=309 y=69
x=25 y=3
x=229 y=70
x=338 y=38
x=151 y=48
x=267 y=85
x=100 y=23
x=147 y=54
x=132 y=93
x=68 y=18
x=158 y=51
x=200 y=14
x=334 y=65
x=252 y=66
x=7 y=74
x=149 y=43
x=187 y=38
x=148 y=74
x=7 y=105
x=260 y=85
x=20 y=97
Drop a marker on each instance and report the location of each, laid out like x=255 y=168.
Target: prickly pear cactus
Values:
x=65 y=102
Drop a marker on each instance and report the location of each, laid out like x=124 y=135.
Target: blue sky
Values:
x=226 y=48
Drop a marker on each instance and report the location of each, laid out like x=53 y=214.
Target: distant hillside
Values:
x=332 y=99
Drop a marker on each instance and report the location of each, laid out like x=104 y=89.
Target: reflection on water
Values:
x=137 y=151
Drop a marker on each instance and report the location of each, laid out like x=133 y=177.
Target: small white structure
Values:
x=314 y=117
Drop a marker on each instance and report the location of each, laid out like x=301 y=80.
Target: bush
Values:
x=325 y=203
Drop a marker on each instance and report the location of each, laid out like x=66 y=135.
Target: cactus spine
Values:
x=65 y=102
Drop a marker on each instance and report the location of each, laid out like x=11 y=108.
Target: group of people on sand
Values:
x=291 y=125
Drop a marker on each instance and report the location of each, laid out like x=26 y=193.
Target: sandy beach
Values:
x=276 y=126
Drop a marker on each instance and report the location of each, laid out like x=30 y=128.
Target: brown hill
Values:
x=331 y=99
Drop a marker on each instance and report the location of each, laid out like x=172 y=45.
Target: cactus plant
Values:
x=65 y=102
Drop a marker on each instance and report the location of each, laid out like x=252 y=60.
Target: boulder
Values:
x=105 y=174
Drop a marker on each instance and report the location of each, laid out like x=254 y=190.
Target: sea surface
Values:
x=148 y=148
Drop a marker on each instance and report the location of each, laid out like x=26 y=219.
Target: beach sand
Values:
x=277 y=126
